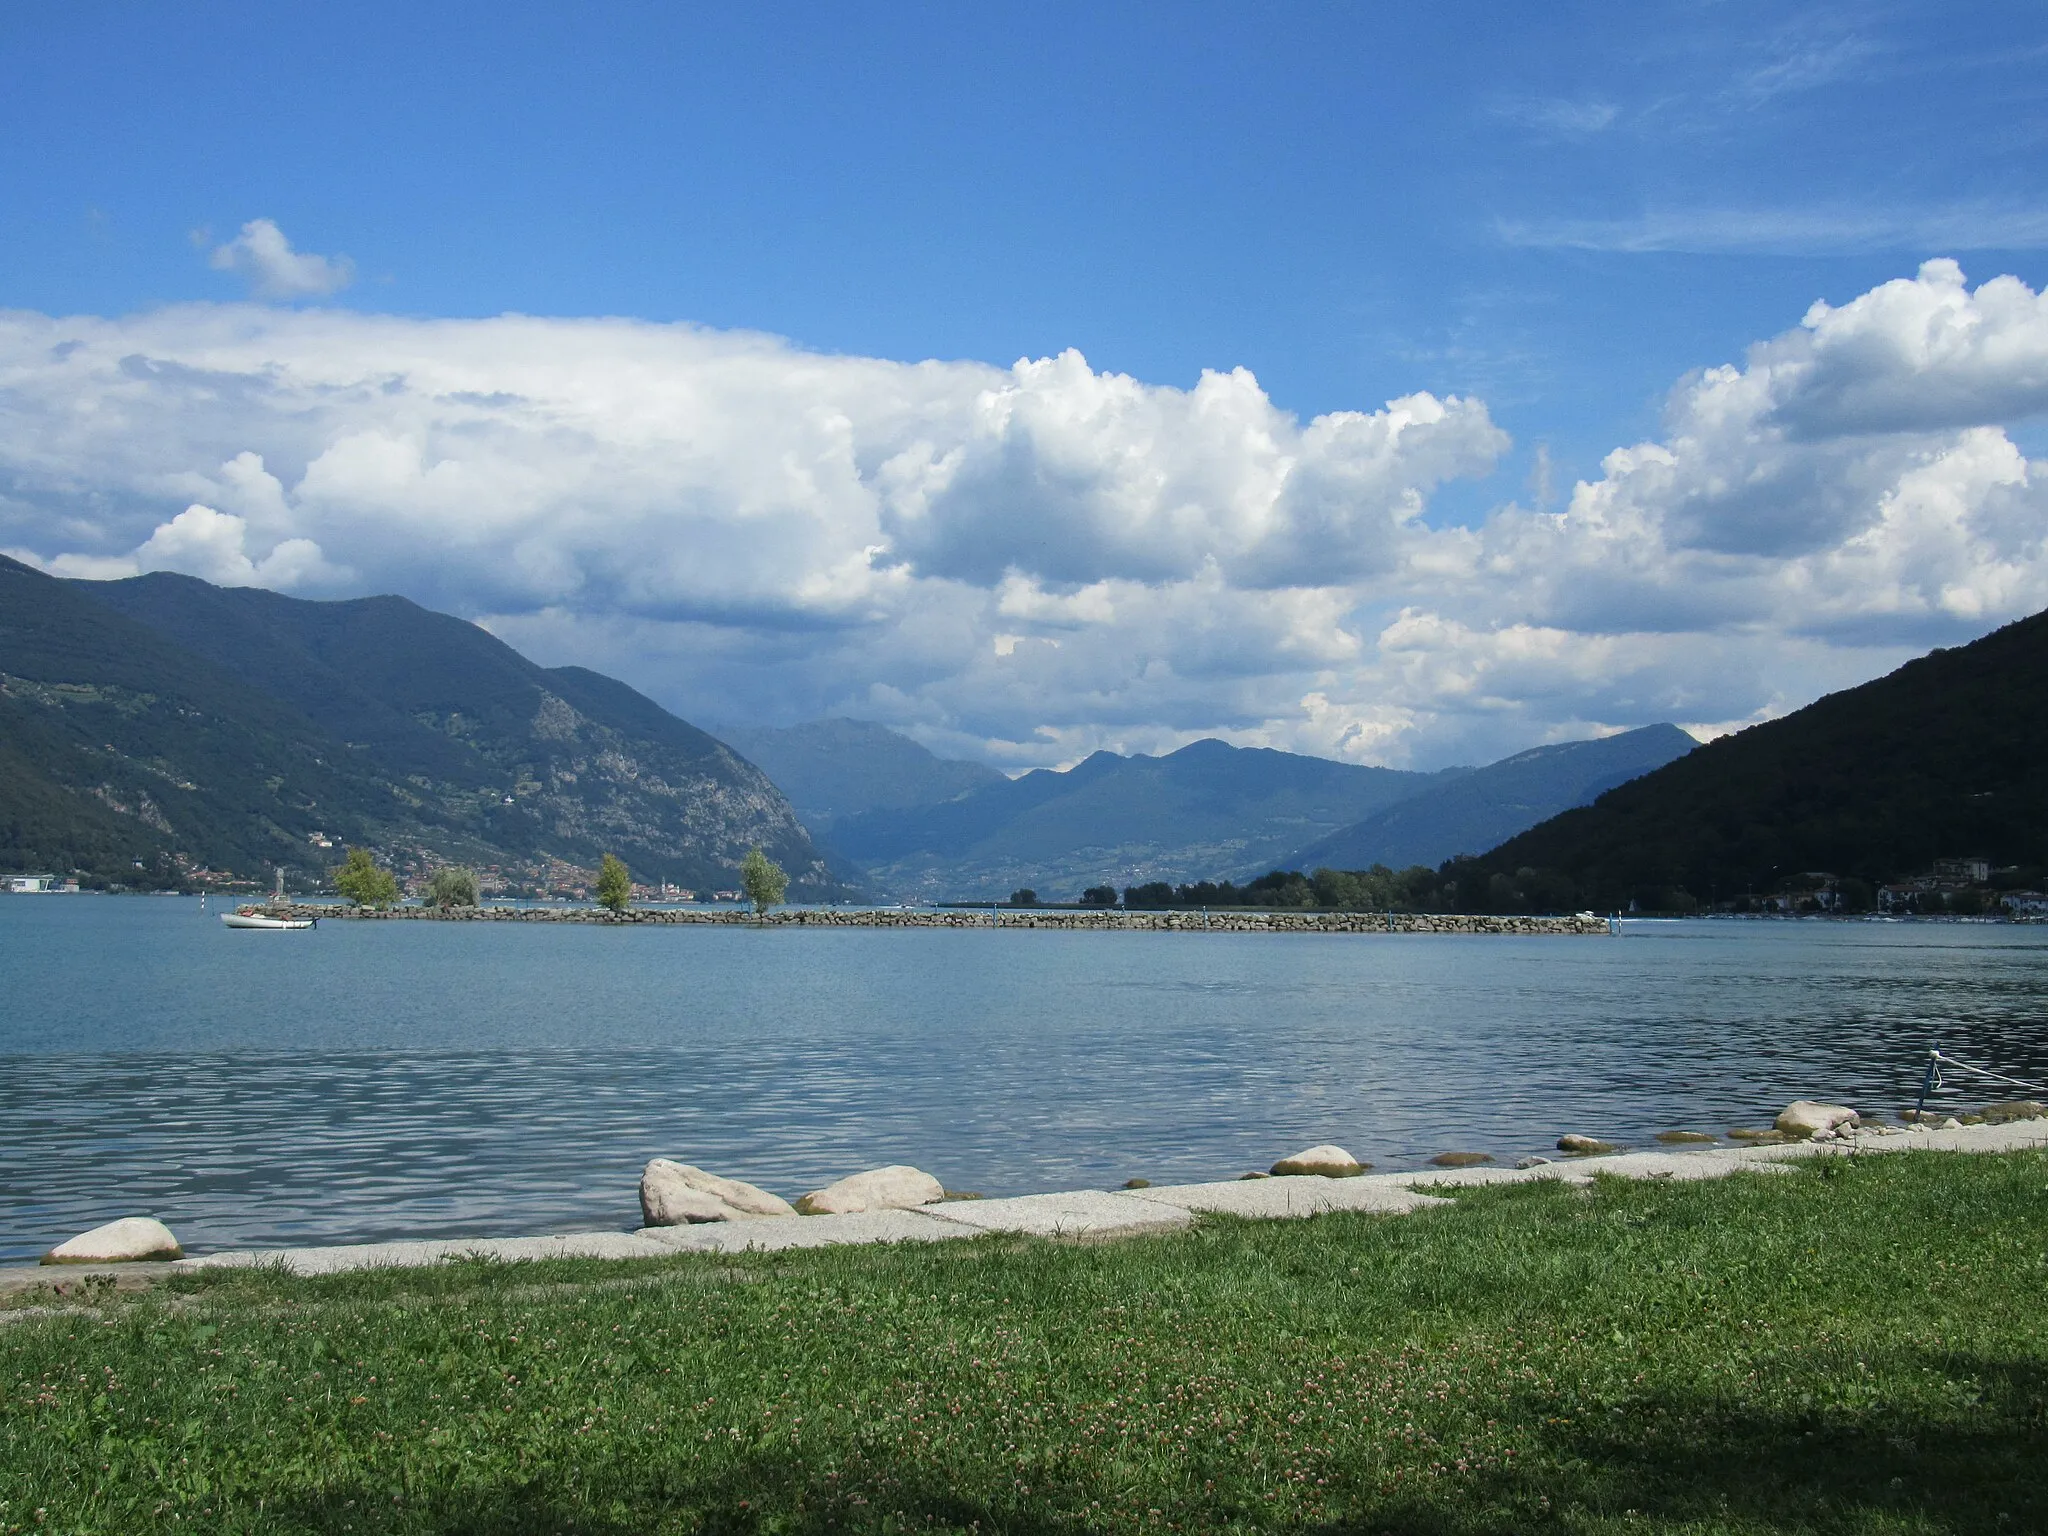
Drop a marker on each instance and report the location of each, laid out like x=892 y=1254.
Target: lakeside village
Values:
x=549 y=880
x=1966 y=887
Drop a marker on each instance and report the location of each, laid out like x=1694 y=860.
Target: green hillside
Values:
x=163 y=717
x=128 y=759
x=1946 y=757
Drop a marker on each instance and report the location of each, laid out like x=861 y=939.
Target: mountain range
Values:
x=158 y=725
x=1207 y=807
x=1476 y=811
x=1211 y=811
x=832 y=769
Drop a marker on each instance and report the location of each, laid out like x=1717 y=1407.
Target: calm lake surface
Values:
x=379 y=1080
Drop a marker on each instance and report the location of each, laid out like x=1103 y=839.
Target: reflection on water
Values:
x=383 y=1080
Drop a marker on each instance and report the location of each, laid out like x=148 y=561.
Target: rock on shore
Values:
x=895 y=1188
x=1325 y=1161
x=130 y=1240
x=1816 y=1121
x=1584 y=1146
x=672 y=1194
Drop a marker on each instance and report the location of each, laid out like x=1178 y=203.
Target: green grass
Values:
x=1860 y=1346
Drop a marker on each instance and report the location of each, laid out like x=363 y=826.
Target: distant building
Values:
x=1962 y=871
x=41 y=885
x=2025 y=903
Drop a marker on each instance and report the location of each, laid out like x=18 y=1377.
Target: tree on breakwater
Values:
x=363 y=882
x=763 y=880
x=452 y=887
x=614 y=884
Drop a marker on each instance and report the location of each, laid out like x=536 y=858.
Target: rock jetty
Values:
x=980 y=917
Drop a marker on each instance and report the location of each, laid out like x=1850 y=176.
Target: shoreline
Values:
x=1106 y=920
x=1073 y=1215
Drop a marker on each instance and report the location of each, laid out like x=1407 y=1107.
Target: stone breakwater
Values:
x=1000 y=917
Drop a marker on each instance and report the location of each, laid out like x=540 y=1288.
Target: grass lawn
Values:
x=1858 y=1346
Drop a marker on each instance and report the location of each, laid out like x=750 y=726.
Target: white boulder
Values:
x=1804 y=1117
x=1325 y=1161
x=895 y=1188
x=673 y=1193
x=129 y=1240
x=1585 y=1146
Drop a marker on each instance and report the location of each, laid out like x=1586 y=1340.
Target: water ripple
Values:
x=392 y=1080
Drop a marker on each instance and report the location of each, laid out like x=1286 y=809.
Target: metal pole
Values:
x=1927 y=1083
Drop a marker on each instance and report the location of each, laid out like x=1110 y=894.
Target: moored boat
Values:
x=255 y=917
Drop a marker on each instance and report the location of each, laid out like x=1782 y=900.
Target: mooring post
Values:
x=1927 y=1083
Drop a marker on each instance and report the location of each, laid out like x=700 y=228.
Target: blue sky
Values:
x=1561 y=212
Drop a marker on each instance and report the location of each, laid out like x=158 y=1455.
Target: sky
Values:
x=1404 y=386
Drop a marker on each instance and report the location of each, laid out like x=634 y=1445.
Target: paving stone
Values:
x=1296 y=1196
x=411 y=1255
x=1091 y=1212
x=772 y=1234
x=1086 y=1212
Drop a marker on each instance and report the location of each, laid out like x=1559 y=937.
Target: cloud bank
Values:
x=1028 y=563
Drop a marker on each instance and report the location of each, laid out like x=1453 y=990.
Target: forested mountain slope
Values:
x=1946 y=757
x=436 y=739
x=127 y=758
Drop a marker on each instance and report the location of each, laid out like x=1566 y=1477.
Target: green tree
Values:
x=363 y=882
x=614 y=884
x=1026 y=897
x=762 y=879
x=452 y=887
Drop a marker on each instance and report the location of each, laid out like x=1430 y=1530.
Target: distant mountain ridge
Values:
x=832 y=769
x=1477 y=811
x=413 y=730
x=1206 y=808
x=1945 y=757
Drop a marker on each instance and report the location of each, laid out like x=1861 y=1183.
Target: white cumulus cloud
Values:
x=1028 y=563
x=264 y=258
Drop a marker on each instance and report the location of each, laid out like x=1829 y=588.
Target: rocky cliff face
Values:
x=673 y=814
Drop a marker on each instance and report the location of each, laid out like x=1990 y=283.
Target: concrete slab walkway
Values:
x=1084 y=1213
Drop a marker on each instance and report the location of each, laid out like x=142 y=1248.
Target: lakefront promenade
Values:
x=1085 y=1215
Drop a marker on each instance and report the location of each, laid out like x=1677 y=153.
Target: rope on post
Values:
x=1931 y=1079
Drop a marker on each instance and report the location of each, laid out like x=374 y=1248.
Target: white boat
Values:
x=249 y=917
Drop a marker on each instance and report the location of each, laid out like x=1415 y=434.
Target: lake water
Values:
x=379 y=1080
